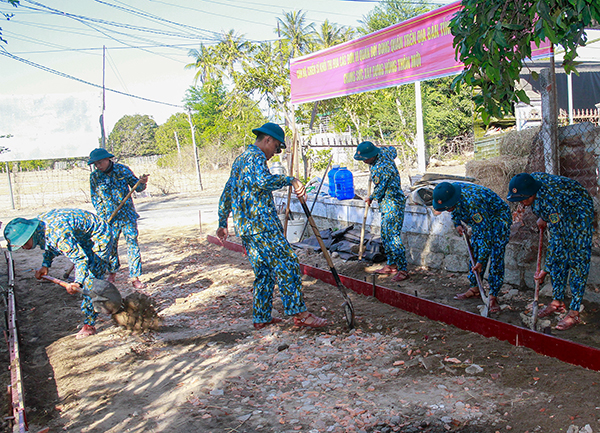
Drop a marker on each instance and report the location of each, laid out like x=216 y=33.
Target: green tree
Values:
x=215 y=64
x=231 y=50
x=390 y=12
x=133 y=136
x=205 y=62
x=330 y=34
x=222 y=118
x=264 y=78
x=296 y=32
x=177 y=127
x=207 y=104
x=448 y=114
x=8 y=17
x=493 y=38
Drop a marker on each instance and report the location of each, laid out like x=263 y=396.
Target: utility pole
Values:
x=12 y=197
x=420 y=137
x=103 y=141
x=196 y=158
x=549 y=128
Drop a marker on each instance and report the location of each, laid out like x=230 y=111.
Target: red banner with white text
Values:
x=414 y=50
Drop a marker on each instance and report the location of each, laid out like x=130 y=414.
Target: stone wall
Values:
x=430 y=240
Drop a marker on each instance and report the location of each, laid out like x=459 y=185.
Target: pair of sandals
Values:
x=473 y=292
x=389 y=270
x=86 y=331
x=308 y=321
x=571 y=319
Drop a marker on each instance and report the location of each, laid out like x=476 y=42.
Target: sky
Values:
x=51 y=69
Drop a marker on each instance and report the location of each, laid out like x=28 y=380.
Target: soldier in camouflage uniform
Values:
x=565 y=207
x=81 y=236
x=248 y=196
x=388 y=192
x=489 y=218
x=109 y=184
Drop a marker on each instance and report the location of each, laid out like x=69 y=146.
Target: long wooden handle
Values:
x=56 y=280
x=473 y=263
x=361 y=248
x=317 y=195
x=116 y=211
x=486 y=300
x=536 y=293
x=348 y=307
x=311 y=221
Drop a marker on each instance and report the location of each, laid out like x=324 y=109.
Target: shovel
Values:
x=105 y=296
x=317 y=196
x=486 y=300
x=348 y=308
x=536 y=293
x=67 y=273
x=116 y=211
x=361 y=248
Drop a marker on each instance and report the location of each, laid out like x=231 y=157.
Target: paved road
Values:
x=177 y=211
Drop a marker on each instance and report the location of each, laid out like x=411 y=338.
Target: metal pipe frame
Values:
x=549 y=345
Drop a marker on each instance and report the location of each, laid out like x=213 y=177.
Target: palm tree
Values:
x=231 y=49
x=206 y=64
x=296 y=32
x=330 y=34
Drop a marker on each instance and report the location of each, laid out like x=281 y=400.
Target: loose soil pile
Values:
x=207 y=370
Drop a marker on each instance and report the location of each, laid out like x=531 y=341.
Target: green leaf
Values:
x=512 y=26
x=543 y=10
x=522 y=95
x=500 y=39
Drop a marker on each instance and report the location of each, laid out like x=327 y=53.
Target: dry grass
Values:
x=518 y=143
x=495 y=173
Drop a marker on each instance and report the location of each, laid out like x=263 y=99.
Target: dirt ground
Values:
x=208 y=370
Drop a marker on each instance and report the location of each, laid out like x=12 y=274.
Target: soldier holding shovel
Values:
x=565 y=207
x=248 y=196
x=388 y=192
x=110 y=185
x=489 y=218
x=81 y=236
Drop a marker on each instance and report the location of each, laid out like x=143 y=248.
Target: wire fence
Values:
x=69 y=186
x=66 y=183
x=572 y=151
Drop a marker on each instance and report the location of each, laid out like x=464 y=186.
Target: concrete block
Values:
x=513 y=276
x=546 y=290
x=416 y=220
x=454 y=263
x=528 y=278
x=594 y=276
x=433 y=260
x=441 y=244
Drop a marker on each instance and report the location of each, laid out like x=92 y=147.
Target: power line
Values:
x=146 y=15
x=5 y=53
x=84 y=19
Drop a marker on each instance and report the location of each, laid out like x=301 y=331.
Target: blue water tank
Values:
x=344 y=184
x=331 y=177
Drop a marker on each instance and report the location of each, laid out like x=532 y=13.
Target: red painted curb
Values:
x=564 y=350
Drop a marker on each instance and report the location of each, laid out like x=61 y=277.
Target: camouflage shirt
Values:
x=248 y=194
x=76 y=233
x=386 y=179
x=109 y=189
x=486 y=213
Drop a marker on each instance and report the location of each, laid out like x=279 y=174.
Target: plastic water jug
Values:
x=331 y=178
x=344 y=184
